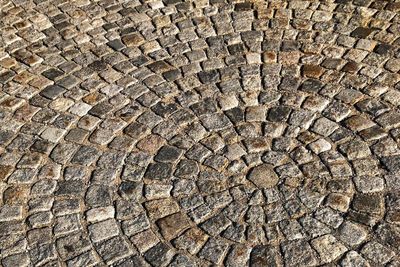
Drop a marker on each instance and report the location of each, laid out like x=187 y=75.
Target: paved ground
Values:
x=199 y=133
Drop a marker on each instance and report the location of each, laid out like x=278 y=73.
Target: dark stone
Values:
x=172 y=75
x=42 y=146
x=85 y=155
x=76 y=135
x=5 y=137
x=52 y=74
x=236 y=49
x=361 y=32
x=139 y=61
x=246 y=6
x=172 y=2
x=136 y=130
x=52 y=91
x=311 y=85
x=235 y=115
x=98 y=196
x=363 y=218
x=204 y=107
x=372 y=203
x=395 y=7
x=164 y=109
x=310 y=70
x=392 y=163
x=63 y=121
x=136 y=260
x=390 y=234
x=351 y=67
x=116 y=44
x=168 y=154
x=374 y=107
x=211 y=76
x=183 y=116
x=383 y=49
x=290 y=45
x=279 y=114
x=73 y=188
x=130 y=190
x=186 y=168
x=6 y=76
x=39 y=101
x=98 y=65
x=159 y=66
x=182 y=261
x=332 y=63
x=101 y=109
x=271 y=45
x=341 y=134
x=159 y=255
x=289 y=83
x=159 y=171
x=342 y=1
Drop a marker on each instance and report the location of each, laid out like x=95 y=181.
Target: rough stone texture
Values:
x=199 y=133
x=263 y=176
x=328 y=248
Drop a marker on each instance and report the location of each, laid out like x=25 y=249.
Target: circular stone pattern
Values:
x=192 y=133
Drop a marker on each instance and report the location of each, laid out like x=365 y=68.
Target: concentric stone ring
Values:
x=199 y=133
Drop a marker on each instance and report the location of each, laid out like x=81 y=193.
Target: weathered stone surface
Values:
x=144 y=240
x=328 y=248
x=199 y=133
x=299 y=253
x=172 y=225
x=377 y=253
x=265 y=256
x=369 y=203
x=352 y=234
x=103 y=230
x=159 y=255
x=353 y=259
x=113 y=249
x=214 y=250
x=263 y=176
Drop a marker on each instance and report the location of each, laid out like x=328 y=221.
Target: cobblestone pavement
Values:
x=199 y=133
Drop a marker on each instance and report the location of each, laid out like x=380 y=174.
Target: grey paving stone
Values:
x=197 y=133
x=159 y=255
x=214 y=250
x=113 y=249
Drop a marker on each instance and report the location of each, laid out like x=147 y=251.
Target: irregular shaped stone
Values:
x=214 y=250
x=263 y=176
x=145 y=240
x=159 y=171
x=161 y=207
x=159 y=255
x=377 y=253
x=173 y=224
x=265 y=256
x=328 y=248
x=299 y=253
x=352 y=234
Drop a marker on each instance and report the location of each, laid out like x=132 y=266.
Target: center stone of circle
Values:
x=263 y=176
